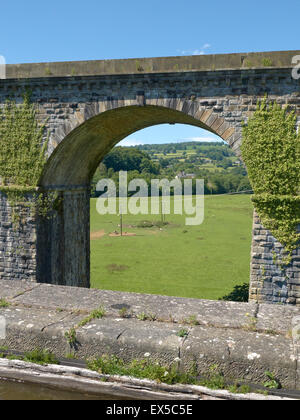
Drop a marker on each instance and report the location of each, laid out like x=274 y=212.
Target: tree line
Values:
x=149 y=162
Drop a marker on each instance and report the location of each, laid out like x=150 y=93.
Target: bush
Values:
x=240 y=293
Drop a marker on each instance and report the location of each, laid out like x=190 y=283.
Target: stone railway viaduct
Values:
x=91 y=106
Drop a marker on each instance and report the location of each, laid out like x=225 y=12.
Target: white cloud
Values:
x=130 y=142
x=200 y=51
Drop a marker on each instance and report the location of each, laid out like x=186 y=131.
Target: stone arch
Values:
x=80 y=143
x=76 y=149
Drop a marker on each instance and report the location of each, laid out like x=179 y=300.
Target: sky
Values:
x=71 y=30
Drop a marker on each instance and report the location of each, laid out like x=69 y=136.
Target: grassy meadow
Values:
x=204 y=261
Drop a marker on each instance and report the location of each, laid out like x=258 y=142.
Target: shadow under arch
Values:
x=63 y=241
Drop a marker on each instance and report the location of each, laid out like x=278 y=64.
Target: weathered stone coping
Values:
x=244 y=340
x=83 y=380
x=219 y=314
x=256 y=60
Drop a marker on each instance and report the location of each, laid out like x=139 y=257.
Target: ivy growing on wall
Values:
x=22 y=155
x=271 y=152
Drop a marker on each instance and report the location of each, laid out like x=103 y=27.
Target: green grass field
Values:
x=204 y=261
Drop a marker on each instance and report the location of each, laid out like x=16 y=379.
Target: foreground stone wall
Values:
x=270 y=282
x=17 y=243
x=240 y=340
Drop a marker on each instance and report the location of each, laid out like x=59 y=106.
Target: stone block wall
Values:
x=54 y=249
x=63 y=242
x=17 y=243
x=271 y=282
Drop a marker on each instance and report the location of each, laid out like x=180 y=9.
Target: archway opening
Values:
x=159 y=254
x=188 y=262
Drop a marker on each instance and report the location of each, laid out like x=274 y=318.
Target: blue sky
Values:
x=65 y=30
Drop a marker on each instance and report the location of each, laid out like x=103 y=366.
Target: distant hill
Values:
x=180 y=145
x=215 y=162
x=196 y=153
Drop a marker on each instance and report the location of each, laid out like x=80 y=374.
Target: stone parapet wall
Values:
x=270 y=281
x=246 y=61
x=243 y=340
